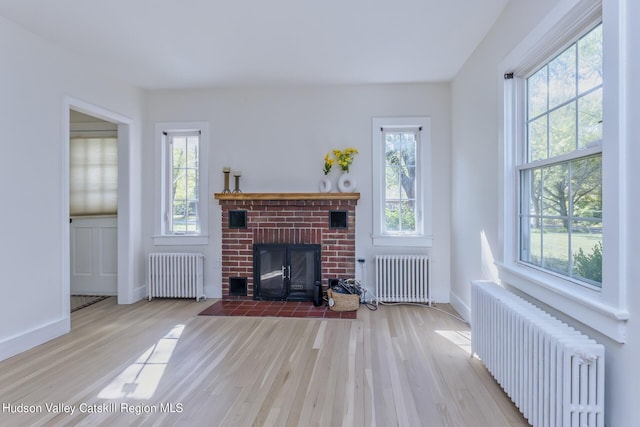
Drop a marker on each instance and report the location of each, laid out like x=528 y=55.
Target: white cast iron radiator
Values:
x=403 y=278
x=176 y=275
x=553 y=373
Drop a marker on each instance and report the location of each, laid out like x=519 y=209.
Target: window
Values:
x=561 y=172
x=93 y=176
x=184 y=177
x=183 y=201
x=401 y=156
x=562 y=216
x=400 y=210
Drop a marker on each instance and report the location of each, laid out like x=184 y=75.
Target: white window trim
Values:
x=603 y=310
x=161 y=236
x=423 y=237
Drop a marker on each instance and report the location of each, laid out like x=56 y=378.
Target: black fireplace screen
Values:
x=285 y=272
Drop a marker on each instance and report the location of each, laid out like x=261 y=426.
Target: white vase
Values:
x=347 y=183
x=325 y=184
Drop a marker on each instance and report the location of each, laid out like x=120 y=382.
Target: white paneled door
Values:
x=94 y=260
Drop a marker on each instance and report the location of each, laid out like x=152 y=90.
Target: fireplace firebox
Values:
x=286 y=272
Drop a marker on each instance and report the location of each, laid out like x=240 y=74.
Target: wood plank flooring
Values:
x=159 y=364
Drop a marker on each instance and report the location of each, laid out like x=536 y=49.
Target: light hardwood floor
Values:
x=400 y=365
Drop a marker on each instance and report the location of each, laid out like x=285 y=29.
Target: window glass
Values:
x=561 y=193
x=400 y=181
x=184 y=150
x=93 y=176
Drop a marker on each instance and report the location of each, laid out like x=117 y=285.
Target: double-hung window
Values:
x=561 y=230
x=401 y=155
x=183 y=179
x=561 y=170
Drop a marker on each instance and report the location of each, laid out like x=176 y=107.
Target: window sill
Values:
x=409 y=241
x=581 y=304
x=181 y=240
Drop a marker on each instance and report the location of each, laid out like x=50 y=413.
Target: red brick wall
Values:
x=287 y=221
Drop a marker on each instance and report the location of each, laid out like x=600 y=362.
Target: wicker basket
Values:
x=343 y=302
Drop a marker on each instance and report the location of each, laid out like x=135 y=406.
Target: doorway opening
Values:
x=93 y=208
x=87 y=121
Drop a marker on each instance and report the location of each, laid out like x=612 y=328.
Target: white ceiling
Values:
x=198 y=43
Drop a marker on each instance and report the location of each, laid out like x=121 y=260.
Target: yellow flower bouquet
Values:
x=328 y=163
x=345 y=157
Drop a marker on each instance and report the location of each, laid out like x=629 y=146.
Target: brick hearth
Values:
x=291 y=218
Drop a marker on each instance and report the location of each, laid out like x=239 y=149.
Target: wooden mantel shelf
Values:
x=287 y=196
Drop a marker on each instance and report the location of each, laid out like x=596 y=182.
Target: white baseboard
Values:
x=440 y=295
x=23 y=342
x=463 y=309
x=141 y=292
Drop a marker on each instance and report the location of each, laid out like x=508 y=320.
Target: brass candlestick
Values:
x=227 y=172
x=237 y=176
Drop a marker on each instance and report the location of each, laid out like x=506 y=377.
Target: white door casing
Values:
x=126 y=242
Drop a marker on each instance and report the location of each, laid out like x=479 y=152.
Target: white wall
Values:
x=476 y=182
x=277 y=137
x=476 y=164
x=35 y=78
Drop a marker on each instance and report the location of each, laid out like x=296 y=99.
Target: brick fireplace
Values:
x=324 y=219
